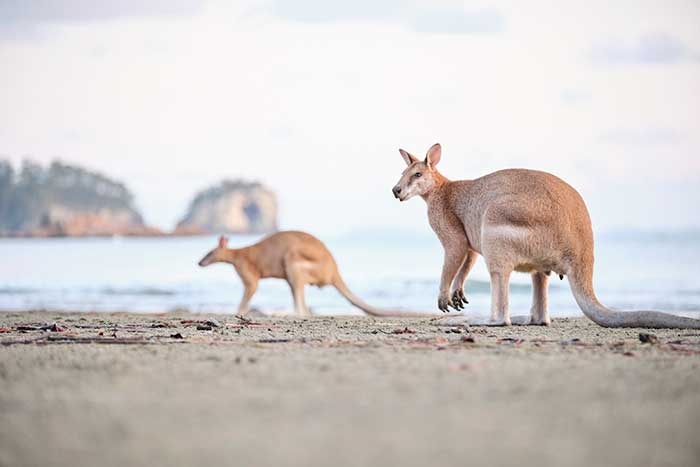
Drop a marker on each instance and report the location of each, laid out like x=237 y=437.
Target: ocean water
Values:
x=388 y=270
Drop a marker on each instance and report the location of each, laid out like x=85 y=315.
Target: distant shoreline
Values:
x=147 y=232
x=154 y=234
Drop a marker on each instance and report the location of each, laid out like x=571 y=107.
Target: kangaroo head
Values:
x=217 y=254
x=420 y=176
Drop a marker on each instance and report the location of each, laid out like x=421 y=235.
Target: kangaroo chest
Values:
x=448 y=223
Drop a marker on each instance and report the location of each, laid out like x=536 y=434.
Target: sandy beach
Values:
x=193 y=389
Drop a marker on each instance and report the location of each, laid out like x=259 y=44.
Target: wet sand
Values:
x=341 y=391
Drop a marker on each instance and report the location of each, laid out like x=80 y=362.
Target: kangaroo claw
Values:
x=459 y=300
x=444 y=304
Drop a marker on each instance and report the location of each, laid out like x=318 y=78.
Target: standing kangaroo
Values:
x=518 y=220
x=297 y=257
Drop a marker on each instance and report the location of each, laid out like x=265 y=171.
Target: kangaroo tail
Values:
x=581 y=281
x=339 y=284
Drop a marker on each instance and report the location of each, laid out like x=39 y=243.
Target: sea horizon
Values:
x=387 y=268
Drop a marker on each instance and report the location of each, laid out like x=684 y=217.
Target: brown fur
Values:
x=518 y=220
x=297 y=257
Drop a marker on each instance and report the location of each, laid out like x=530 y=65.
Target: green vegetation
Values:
x=27 y=196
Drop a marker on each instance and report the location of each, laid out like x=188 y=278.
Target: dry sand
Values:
x=342 y=391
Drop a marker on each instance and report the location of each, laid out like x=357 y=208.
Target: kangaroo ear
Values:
x=433 y=156
x=223 y=242
x=407 y=157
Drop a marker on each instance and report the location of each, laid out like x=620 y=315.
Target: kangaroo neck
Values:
x=440 y=182
x=235 y=255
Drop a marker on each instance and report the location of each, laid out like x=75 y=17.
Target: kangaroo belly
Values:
x=524 y=248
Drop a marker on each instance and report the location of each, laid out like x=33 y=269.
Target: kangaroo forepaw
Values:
x=444 y=304
x=459 y=300
x=456 y=302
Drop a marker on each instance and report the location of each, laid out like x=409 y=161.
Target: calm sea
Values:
x=161 y=274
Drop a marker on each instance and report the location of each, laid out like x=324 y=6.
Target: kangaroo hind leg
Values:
x=251 y=285
x=297 y=278
x=539 y=313
x=500 y=311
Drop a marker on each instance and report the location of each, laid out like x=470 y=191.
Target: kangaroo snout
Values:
x=397 y=191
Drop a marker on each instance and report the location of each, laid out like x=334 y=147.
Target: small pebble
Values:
x=647 y=338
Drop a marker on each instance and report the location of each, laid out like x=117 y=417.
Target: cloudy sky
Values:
x=315 y=97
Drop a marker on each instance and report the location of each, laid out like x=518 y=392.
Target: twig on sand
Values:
x=23 y=341
x=43 y=340
x=405 y=330
x=210 y=323
x=96 y=340
x=249 y=323
x=53 y=327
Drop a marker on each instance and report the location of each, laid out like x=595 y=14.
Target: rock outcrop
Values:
x=65 y=200
x=233 y=206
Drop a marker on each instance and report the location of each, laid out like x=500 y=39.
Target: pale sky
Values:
x=313 y=98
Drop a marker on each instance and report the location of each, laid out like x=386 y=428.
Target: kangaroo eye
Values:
x=418 y=175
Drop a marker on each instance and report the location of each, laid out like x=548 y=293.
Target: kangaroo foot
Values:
x=539 y=322
x=520 y=320
x=484 y=321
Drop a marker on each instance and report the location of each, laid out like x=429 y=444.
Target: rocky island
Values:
x=65 y=200
x=232 y=206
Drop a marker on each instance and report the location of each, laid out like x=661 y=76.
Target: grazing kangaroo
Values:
x=297 y=257
x=518 y=220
